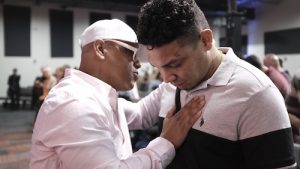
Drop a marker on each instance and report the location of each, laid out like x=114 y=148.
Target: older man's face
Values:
x=124 y=64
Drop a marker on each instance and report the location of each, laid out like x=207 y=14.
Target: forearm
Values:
x=157 y=155
x=143 y=114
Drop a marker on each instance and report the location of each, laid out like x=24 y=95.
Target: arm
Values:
x=265 y=132
x=86 y=140
x=145 y=113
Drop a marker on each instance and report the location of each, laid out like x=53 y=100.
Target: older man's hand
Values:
x=177 y=125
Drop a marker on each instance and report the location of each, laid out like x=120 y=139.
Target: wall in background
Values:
x=275 y=17
x=270 y=17
x=29 y=67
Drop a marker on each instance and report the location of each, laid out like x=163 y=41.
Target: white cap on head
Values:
x=107 y=29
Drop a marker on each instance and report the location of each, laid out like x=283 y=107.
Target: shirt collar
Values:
x=102 y=88
x=223 y=73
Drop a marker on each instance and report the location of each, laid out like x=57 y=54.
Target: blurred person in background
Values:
x=60 y=72
x=292 y=102
x=276 y=73
x=285 y=72
x=48 y=83
x=45 y=86
x=254 y=60
x=273 y=60
x=14 y=89
x=37 y=90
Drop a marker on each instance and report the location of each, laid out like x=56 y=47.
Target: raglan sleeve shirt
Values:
x=265 y=133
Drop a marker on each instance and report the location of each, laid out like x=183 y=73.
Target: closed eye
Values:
x=173 y=64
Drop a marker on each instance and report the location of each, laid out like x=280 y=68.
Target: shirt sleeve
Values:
x=86 y=141
x=158 y=147
x=265 y=132
x=145 y=113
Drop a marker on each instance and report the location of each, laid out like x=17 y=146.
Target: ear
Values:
x=98 y=48
x=207 y=38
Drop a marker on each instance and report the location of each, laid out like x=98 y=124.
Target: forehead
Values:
x=164 y=54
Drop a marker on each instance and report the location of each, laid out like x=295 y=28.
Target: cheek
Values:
x=188 y=70
x=126 y=71
x=193 y=71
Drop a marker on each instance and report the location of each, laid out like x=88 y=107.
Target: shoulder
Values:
x=248 y=78
x=70 y=107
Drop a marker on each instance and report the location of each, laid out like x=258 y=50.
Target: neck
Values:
x=218 y=57
x=89 y=66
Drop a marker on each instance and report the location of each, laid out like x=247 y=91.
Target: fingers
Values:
x=193 y=106
x=176 y=125
x=194 y=118
x=171 y=112
x=199 y=107
x=191 y=112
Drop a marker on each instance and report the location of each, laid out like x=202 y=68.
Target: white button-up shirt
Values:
x=80 y=126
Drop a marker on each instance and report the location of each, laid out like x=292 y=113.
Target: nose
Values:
x=168 y=76
x=136 y=63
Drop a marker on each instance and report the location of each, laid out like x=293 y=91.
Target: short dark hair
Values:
x=253 y=60
x=163 y=21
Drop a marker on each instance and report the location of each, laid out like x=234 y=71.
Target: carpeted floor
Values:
x=15 y=138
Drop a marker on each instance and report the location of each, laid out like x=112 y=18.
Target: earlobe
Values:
x=98 y=48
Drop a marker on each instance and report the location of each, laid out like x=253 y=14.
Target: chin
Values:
x=186 y=87
x=128 y=86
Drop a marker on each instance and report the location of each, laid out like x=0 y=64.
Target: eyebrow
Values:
x=170 y=62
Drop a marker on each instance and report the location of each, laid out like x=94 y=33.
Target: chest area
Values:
x=221 y=112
